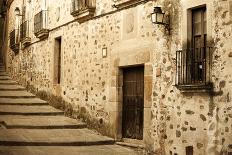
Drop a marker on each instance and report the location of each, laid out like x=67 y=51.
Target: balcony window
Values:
x=193 y=65
x=24 y=33
x=82 y=9
x=40 y=25
x=14 y=40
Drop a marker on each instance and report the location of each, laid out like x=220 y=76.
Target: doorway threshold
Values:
x=134 y=143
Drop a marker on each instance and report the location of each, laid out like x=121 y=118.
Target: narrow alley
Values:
x=116 y=77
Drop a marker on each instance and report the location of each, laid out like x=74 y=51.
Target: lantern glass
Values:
x=157 y=16
x=160 y=18
x=153 y=17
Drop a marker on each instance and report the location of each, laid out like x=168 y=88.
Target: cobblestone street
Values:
x=29 y=126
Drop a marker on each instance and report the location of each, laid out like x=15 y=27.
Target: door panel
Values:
x=133 y=102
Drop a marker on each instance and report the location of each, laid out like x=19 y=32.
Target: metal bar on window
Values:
x=193 y=66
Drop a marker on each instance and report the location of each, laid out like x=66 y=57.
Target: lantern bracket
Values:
x=159 y=18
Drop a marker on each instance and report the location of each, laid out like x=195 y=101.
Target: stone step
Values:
x=40 y=122
x=131 y=145
x=16 y=94
x=3 y=74
x=11 y=87
x=2 y=71
x=29 y=110
x=54 y=137
x=68 y=150
x=5 y=78
x=22 y=101
x=7 y=82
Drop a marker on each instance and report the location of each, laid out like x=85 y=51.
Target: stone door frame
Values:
x=148 y=71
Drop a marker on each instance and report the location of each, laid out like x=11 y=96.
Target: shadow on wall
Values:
x=81 y=113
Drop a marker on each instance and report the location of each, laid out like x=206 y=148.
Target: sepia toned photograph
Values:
x=115 y=77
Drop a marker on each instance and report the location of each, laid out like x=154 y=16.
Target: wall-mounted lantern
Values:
x=17 y=12
x=158 y=17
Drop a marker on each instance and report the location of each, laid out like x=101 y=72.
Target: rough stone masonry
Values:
x=192 y=117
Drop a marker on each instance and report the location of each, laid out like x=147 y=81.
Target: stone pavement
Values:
x=29 y=126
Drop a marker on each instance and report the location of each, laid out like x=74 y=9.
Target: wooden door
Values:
x=133 y=103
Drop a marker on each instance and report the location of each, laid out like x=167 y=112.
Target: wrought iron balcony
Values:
x=14 y=40
x=24 y=33
x=193 y=69
x=82 y=9
x=40 y=25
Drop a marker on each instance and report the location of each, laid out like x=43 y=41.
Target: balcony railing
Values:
x=193 y=68
x=83 y=9
x=40 y=24
x=24 y=30
x=24 y=33
x=78 y=5
x=14 y=40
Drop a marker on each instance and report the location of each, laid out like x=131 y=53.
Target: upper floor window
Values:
x=78 y=5
x=83 y=9
x=193 y=65
x=14 y=40
x=25 y=25
x=199 y=28
x=40 y=25
x=14 y=34
x=41 y=30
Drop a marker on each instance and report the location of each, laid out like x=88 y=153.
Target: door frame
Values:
x=148 y=78
x=133 y=69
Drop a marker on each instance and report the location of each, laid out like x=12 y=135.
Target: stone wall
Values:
x=91 y=85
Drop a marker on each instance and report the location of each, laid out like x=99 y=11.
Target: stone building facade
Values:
x=97 y=58
x=2 y=27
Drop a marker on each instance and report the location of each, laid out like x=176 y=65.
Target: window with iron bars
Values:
x=193 y=65
x=14 y=40
x=40 y=21
x=24 y=30
x=80 y=5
